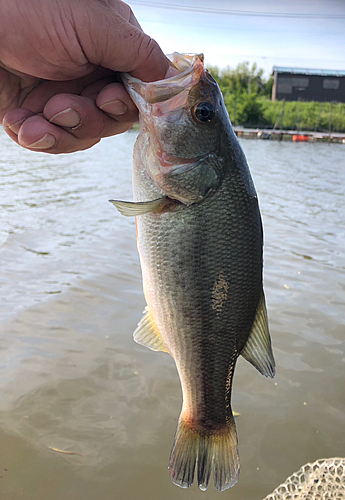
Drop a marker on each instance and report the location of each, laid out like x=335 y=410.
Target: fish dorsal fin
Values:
x=258 y=349
x=147 y=334
x=133 y=208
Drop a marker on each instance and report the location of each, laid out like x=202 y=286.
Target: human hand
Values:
x=59 y=92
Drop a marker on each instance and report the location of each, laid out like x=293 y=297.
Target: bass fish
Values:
x=200 y=243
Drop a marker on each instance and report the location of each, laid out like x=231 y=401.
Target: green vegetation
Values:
x=247 y=96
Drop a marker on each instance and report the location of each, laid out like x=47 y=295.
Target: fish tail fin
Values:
x=210 y=450
x=226 y=459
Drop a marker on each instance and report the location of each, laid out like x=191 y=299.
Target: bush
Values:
x=304 y=115
x=247 y=98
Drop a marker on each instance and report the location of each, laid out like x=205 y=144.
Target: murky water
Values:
x=71 y=377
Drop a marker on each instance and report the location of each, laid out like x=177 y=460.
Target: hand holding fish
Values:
x=59 y=90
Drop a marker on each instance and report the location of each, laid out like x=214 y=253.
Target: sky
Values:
x=289 y=33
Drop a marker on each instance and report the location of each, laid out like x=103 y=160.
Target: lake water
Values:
x=72 y=378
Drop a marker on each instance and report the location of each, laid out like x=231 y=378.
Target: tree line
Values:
x=247 y=96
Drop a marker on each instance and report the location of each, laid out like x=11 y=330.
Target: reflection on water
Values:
x=73 y=379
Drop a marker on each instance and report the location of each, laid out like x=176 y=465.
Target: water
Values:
x=72 y=378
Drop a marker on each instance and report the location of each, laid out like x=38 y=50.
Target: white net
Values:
x=322 y=480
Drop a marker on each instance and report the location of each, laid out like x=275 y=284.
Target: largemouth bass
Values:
x=200 y=244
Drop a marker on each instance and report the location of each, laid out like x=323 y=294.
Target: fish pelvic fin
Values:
x=146 y=333
x=208 y=450
x=135 y=208
x=258 y=348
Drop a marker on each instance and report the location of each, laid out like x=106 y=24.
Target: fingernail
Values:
x=16 y=126
x=114 y=107
x=46 y=142
x=68 y=118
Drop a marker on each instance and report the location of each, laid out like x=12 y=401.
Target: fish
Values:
x=200 y=241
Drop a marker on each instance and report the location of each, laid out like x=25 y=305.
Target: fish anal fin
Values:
x=258 y=348
x=146 y=333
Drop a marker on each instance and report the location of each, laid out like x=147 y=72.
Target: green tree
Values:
x=247 y=97
x=249 y=110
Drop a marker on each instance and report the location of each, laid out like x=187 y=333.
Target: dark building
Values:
x=293 y=84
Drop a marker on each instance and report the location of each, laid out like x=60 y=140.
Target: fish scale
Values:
x=200 y=245
x=192 y=317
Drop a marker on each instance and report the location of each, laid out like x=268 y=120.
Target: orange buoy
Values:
x=300 y=138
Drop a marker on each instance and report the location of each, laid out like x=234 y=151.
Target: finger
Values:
x=133 y=20
x=78 y=114
x=125 y=11
x=39 y=96
x=13 y=120
x=128 y=49
x=84 y=120
x=37 y=134
x=112 y=98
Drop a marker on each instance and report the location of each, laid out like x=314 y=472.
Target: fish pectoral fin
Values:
x=146 y=333
x=258 y=349
x=133 y=208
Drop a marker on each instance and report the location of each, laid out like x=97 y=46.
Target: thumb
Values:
x=112 y=38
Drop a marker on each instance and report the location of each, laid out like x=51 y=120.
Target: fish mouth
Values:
x=190 y=67
x=159 y=98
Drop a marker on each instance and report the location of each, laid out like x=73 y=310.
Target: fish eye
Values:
x=204 y=112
